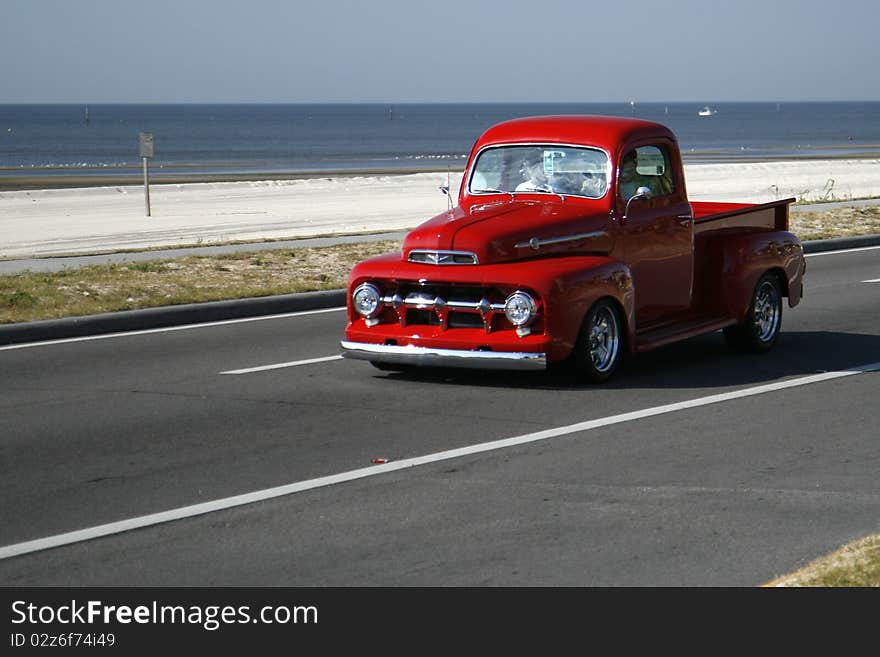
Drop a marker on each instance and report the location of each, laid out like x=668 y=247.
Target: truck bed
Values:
x=711 y=216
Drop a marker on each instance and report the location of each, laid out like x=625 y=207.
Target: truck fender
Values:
x=573 y=292
x=747 y=257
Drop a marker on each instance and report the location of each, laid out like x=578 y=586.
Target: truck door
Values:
x=657 y=231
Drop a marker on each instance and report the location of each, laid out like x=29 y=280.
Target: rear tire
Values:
x=760 y=331
x=600 y=342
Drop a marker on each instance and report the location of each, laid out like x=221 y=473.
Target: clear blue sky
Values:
x=91 y=51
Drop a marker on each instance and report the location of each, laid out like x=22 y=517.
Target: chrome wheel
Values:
x=600 y=342
x=604 y=339
x=767 y=311
x=760 y=330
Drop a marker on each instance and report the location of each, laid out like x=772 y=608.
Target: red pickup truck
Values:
x=573 y=241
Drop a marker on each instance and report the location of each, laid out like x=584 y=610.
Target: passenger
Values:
x=629 y=179
x=593 y=185
x=568 y=183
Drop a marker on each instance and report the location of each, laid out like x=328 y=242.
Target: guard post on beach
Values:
x=145 y=148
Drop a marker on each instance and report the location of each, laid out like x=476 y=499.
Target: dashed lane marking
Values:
x=278 y=366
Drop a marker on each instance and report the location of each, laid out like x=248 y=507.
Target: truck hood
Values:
x=508 y=230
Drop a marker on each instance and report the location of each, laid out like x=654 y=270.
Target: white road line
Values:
x=168 y=329
x=372 y=471
x=825 y=253
x=278 y=366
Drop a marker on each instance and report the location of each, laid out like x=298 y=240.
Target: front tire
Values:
x=600 y=342
x=760 y=331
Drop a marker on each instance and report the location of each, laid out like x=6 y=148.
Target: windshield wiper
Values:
x=540 y=190
x=492 y=190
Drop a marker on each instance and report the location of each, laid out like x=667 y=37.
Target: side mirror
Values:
x=641 y=193
x=445 y=190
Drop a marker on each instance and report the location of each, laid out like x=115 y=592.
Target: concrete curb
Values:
x=841 y=243
x=134 y=320
x=150 y=318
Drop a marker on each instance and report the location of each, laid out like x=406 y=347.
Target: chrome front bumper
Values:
x=412 y=355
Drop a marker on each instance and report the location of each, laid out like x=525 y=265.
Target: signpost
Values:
x=145 y=148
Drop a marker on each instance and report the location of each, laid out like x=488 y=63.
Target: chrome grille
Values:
x=429 y=257
x=447 y=306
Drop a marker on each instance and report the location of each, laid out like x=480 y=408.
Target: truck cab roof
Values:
x=605 y=132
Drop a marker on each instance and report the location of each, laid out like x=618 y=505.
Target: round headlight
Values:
x=367 y=300
x=520 y=308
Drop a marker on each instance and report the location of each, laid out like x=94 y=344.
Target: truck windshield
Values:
x=549 y=168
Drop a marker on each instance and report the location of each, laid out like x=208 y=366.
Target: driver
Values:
x=535 y=179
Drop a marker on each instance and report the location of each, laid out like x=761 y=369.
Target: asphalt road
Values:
x=735 y=492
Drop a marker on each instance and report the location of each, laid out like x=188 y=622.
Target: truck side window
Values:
x=646 y=166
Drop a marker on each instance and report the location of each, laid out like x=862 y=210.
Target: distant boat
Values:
x=707 y=111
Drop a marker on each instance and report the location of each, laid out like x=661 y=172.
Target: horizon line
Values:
x=429 y=102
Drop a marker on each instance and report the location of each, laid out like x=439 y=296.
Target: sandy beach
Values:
x=52 y=222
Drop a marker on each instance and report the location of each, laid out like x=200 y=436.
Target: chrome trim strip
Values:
x=425 y=303
x=536 y=243
x=426 y=356
x=438 y=255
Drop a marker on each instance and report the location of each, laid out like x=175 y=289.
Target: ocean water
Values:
x=46 y=140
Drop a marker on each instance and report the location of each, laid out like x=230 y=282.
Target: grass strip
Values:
x=856 y=564
x=93 y=289
x=848 y=221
